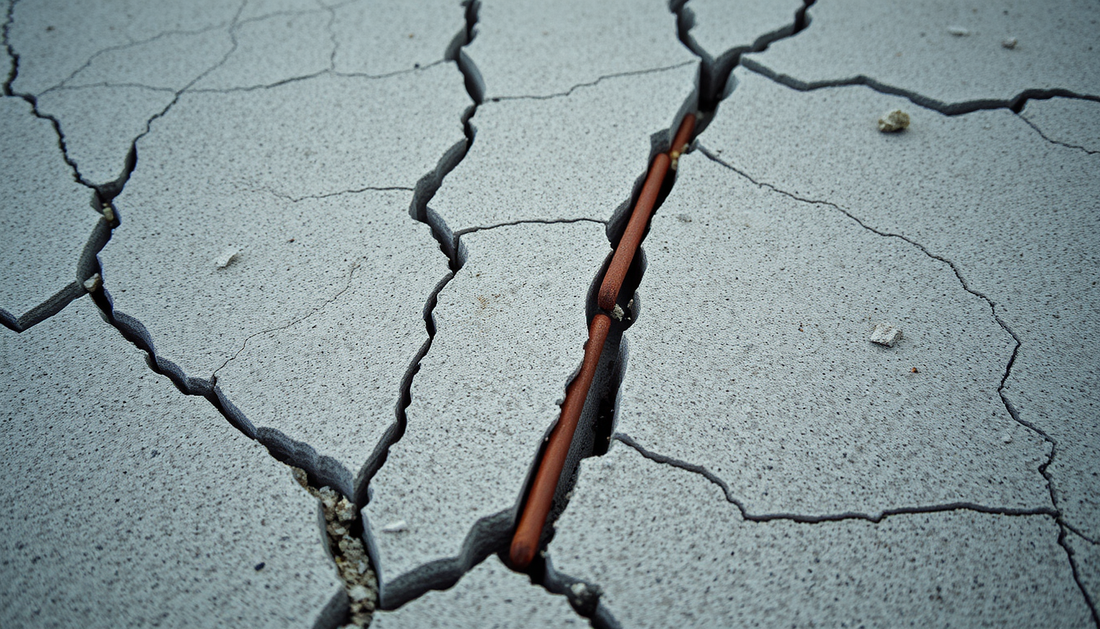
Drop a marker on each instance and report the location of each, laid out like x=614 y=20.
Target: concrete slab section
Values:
x=1086 y=556
x=562 y=158
x=129 y=504
x=170 y=62
x=223 y=172
x=44 y=214
x=490 y=596
x=753 y=357
x=272 y=49
x=951 y=52
x=719 y=27
x=668 y=550
x=1073 y=122
x=381 y=37
x=537 y=49
x=1017 y=216
x=510 y=332
x=56 y=38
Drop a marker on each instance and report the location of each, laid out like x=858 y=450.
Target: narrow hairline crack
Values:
x=593 y=83
x=347 y=285
x=961 y=505
x=1015 y=103
x=329 y=195
x=1053 y=141
x=530 y=221
x=1043 y=469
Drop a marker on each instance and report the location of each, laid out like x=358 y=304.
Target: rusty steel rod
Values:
x=525 y=542
x=639 y=218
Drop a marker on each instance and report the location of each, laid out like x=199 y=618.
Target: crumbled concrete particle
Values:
x=352 y=563
x=93 y=283
x=617 y=312
x=958 y=31
x=894 y=120
x=1009 y=43
x=227 y=257
x=396 y=527
x=886 y=335
x=109 y=213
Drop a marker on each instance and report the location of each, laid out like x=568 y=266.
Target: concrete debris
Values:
x=1009 y=43
x=352 y=563
x=109 y=213
x=585 y=597
x=226 y=258
x=958 y=31
x=894 y=120
x=93 y=283
x=885 y=335
x=617 y=312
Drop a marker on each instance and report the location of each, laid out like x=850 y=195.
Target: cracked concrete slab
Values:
x=256 y=168
x=46 y=218
x=382 y=37
x=1068 y=121
x=489 y=596
x=1087 y=559
x=752 y=358
x=510 y=327
x=718 y=27
x=127 y=503
x=580 y=160
x=1016 y=216
x=706 y=566
x=537 y=49
x=950 y=52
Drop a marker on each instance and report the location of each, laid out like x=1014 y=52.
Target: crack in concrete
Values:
x=1053 y=141
x=598 y=80
x=321 y=308
x=327 y=195
x=1015 y=104
x=531 y=221
x=1043 y=468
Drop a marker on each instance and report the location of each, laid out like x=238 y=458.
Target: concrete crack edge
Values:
x=1043 y=468
x=1015 y=104
x=531 y=221
x=1023 y=116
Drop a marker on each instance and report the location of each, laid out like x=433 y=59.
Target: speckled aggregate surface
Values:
x=362 y=239
x=127 y=505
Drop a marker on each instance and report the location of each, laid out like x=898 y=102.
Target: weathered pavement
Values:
x=254 y=243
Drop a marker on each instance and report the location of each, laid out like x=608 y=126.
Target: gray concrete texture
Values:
x=360 y=238
x=126 y=504
x=938 y=569
x=510 y=332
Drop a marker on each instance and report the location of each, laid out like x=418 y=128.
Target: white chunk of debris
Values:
x=358 y=593
x=93 y=283
x=891 y=121
x=396 y=527
x=579 y=589
x=109 y=213
x=1006 y=438
x=617 y=313
x=958 y=31
x=886 y=335
x=1009 y=43
x=226 y=258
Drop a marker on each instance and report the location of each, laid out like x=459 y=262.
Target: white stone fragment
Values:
x=1009 y=43
x=93 y=283
x=886 y=335
x=617 y=312
x=226 y=257
x=958 y=31
x=893 y=120
x=398 y=526
x=358 y=593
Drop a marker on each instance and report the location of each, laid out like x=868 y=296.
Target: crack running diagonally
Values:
x=578 y=86
x=1052 y=140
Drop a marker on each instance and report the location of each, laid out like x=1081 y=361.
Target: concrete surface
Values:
x=489 y=596
x=312 y=196
x=127 y=504
x=533 y=48
x=575 y=163
x=717 y=570
x=46 y=218
x=946 y=52
x=752 y=358
x=510 y=332
x=1014 y=214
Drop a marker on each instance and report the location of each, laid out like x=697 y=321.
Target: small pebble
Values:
x=93 y=283
x=885 y=335
x=226 y=257
x=958 y=31
x=617 y=313
x=260 y=566
x=1009 y=43
x=1007 y=438
x=358 y=593
x=891 y=121
x=396 y=527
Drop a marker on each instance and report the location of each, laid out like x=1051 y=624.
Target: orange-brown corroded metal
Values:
x=525 y=542
x=632 y=237
x=643 y=210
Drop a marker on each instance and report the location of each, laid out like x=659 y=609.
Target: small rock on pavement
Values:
x=886 y=335
x=891 y=121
